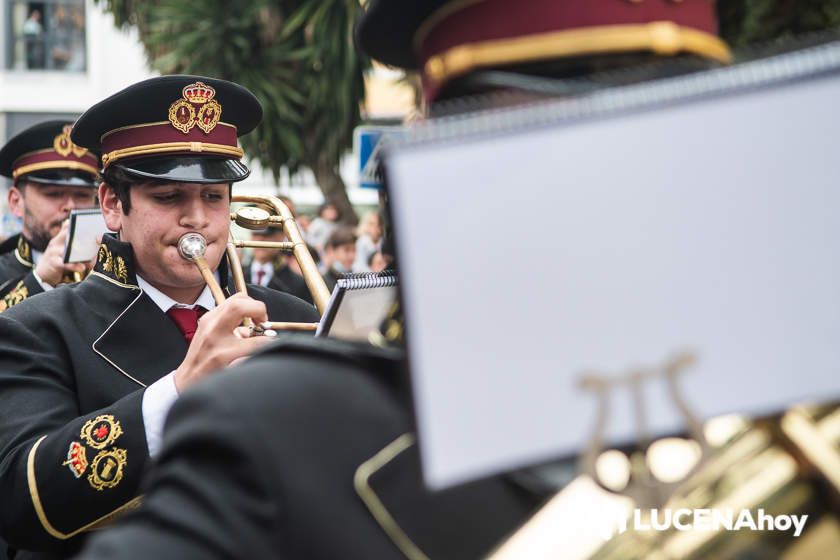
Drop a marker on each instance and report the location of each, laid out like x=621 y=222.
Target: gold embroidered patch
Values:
x=76 y=459
x=103 y=257
x=101 y=431
x=107 y=469
x=114 y=266
x=120 y=270
x=196 y=107
x=182 y=115
x=17 y=294
x=23 y=249
x=208 y=116
x=64 y=146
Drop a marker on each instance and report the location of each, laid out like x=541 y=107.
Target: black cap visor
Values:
x=63 y=177
x=186 y=169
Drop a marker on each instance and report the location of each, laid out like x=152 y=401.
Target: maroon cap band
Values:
x=50 y=159
x=468 y=34
x=163 y=138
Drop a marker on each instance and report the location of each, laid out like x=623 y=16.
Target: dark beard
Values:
x=37 y=236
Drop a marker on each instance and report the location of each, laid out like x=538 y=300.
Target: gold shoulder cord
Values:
x=361 y=481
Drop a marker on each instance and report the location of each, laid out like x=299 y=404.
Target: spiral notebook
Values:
x=358 y=305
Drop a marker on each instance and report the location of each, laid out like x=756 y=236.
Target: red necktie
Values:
x=186 y=319
x=260 y=274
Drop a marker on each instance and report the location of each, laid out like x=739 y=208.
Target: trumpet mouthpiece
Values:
x=192 y=246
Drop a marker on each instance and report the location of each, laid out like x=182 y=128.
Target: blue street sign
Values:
x=368 y=142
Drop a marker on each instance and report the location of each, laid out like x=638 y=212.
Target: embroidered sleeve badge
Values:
x=14 y=297
x=101 y=432
x=76 y=459
x=107 y=469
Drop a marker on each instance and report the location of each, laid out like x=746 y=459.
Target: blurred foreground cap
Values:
x=447 y=39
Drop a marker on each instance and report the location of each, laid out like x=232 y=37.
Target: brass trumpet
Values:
x=192 y=247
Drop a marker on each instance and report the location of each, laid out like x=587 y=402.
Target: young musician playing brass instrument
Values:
x=89 y=371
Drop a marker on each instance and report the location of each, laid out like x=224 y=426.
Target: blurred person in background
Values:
x=339 y=255
x=290 y=204
x=51 y=176
x=303 y=222
x=33 y=37
x=323 y=225
x=295 y=266
x=271 y=267
x=368 y=242
x=378 y=262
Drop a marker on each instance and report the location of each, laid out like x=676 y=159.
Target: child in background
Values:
x=369 y=241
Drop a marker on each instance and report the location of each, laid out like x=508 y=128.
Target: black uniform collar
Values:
x=24 y=251
x=115 y=260
x=21 y=246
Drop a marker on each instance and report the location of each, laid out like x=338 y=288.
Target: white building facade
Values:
x=59 y=57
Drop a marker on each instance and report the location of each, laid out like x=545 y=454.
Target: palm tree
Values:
x=297 y=56
x=745 y=22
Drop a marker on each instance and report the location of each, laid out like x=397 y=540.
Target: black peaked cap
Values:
x=386 y=30
x=41 y=138
x=141 y=116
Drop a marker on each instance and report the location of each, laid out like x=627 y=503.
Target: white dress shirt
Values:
x=267 y=270
x=159 y=397
x=36 y=256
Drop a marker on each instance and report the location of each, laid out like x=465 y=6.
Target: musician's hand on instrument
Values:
x=218 y=342
x=51 y=266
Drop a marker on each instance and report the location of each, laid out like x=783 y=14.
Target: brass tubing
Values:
x=238 y=278
x=289 y=326
x=314 y=281
x=235 y=267
x=285 y=246
x=207 y=274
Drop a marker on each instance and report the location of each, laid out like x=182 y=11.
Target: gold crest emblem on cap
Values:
x=196 y=107
x=63 y=146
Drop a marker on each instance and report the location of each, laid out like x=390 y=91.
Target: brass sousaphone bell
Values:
x=784 y=464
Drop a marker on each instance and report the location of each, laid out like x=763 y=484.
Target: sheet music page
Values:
x=608 y=244
x=362 y=311
x=85 y=227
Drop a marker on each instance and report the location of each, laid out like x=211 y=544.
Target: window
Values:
x=46 y=35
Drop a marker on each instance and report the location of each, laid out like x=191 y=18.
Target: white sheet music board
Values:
x=610 y=242
x=86 y=226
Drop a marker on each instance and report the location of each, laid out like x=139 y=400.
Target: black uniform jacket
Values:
x=289 y=281
x=73 y=365
x=16 y=279
x=307 y=452
x=286 y=280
